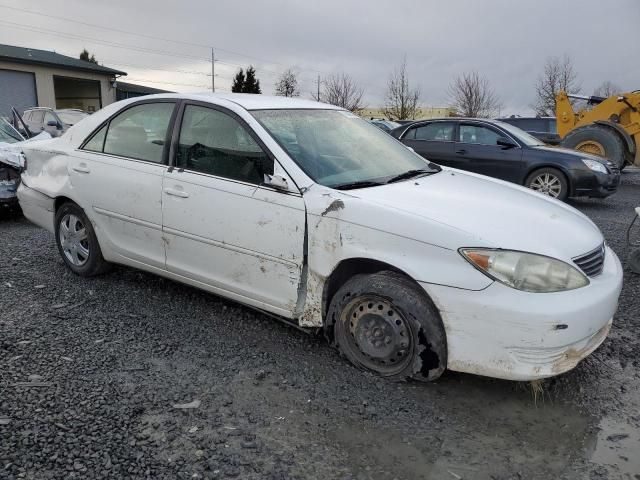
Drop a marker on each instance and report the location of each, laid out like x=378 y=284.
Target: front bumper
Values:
x=505 y=333
x=587 y=183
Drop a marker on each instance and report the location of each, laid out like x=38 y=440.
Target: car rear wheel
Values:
x=77 y=241
x=549 y=181
x=386 y=324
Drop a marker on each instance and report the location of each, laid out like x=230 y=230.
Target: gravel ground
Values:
x=92 y=372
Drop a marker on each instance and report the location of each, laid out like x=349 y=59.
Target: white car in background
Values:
x=306 y=211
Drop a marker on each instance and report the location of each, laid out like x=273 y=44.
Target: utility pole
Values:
x=213 y=71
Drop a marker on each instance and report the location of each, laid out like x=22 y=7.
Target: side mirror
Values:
x=506 y=143
x=276 y=181
x=53 y=123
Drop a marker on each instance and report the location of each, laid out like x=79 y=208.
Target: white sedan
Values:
x=306 y=211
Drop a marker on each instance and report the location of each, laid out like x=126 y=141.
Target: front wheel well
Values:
x=348 y=268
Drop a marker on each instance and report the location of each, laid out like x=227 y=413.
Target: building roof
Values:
x=33 y=56
x=133 y=88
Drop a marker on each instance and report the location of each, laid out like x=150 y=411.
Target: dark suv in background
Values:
x=500 y=150
x=543 y=128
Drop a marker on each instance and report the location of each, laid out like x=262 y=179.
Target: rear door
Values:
x=117 y=179
x=434 y=141
x=477 y=150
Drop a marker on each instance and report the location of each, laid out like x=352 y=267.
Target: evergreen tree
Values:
x=251 y=83
x=238 y=82
x=84 y=55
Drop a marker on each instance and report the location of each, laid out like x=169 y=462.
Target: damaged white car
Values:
x=306 y=211
x=11 y=142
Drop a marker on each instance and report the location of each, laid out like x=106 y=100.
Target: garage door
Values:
x=17 y=89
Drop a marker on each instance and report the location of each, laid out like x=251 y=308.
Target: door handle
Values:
x=462 y=151
x=81 y=169
x=176 y=193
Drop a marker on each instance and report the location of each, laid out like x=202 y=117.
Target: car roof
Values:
x=248 y=101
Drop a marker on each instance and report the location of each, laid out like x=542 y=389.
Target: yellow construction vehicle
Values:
x=609 y=127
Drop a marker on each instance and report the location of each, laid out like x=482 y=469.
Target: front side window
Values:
x=435 y=132
x=215 y=143
x=139 y=132
x=338 y=149
x=478 y=135
x=48 y=117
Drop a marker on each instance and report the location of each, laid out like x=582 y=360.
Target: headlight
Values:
x=526 y=271
x=594 y=165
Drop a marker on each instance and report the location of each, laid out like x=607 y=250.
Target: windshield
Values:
x=337 y=148
x=524 y=137
x=8 y=134
x=71 y=118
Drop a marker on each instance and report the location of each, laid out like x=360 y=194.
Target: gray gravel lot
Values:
x=91 y=371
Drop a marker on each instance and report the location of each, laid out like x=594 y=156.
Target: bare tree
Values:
x=402 y=100
x=607 y=89
x=472 y=96
x=341 y=90
x=287 y=84
x=558 y=75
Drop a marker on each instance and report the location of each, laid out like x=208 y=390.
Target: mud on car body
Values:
x=307 y=212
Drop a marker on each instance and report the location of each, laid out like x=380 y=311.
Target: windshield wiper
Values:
x=360 y=184
x=410 y=174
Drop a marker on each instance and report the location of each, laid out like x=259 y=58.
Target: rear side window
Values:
x=215 y=143
x=96 y=144
x=435 y=132
x=37 y=116
x=139 y=132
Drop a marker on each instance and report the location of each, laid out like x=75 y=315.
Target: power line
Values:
x=74 y=36
x=152 y=37
x=182 y=42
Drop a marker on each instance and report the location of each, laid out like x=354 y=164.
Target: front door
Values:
x=117 y=179
x=477 y=150
x=223 y=228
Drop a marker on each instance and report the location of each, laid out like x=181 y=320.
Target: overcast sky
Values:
x=505 y=40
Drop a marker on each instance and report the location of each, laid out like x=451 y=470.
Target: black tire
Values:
x=555 y=176
x=385 y=323
x=613 y=145
x=91 y=261
x=634 y=261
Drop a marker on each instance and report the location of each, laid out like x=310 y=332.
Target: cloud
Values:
x=507 y=41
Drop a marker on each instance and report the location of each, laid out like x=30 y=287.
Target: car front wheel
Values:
x=549 y=181
x=385 y=323
x=77 y=241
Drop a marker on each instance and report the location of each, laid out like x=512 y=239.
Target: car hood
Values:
x=489 y=213
x=569 y=152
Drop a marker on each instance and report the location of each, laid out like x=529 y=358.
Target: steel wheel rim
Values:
x=378 y=334
x=592 y=147
x=74 y=240
x=548 y=184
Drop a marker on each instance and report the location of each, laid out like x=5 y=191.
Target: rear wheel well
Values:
x=59 y=201
x=347 y=269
